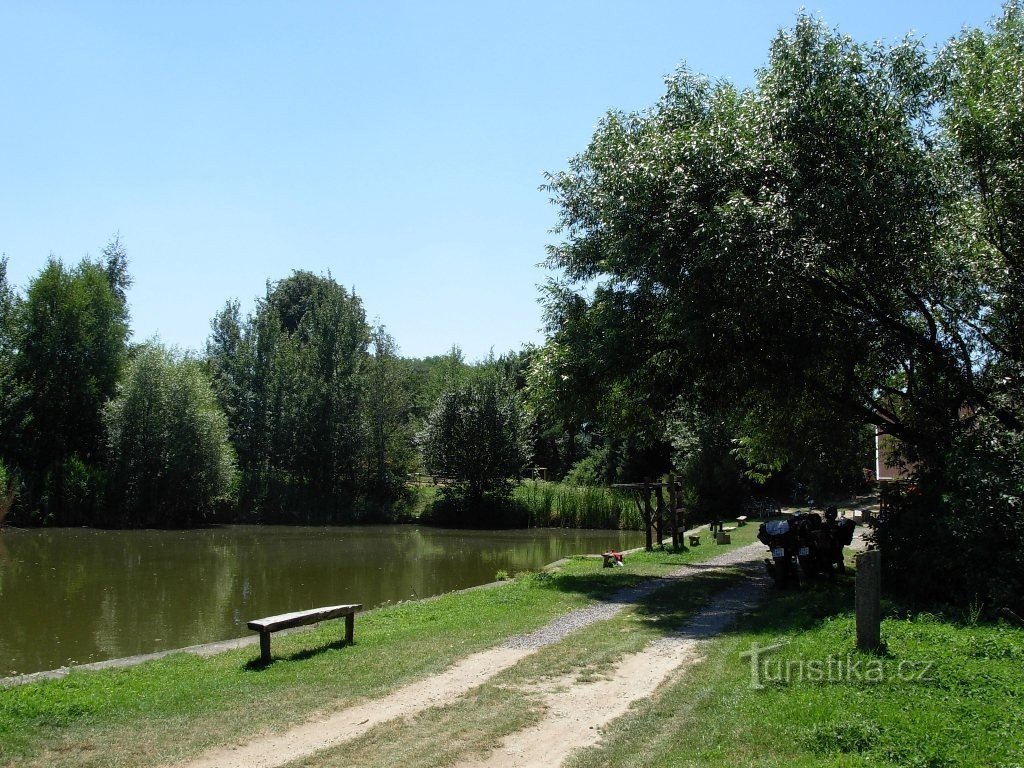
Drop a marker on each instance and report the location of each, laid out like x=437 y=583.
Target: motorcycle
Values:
x=814 y=542
x=780 y=538
x=839 y=534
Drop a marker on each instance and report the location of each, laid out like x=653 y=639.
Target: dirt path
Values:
x=639 y=675
x=577 y=711
x=317 y=735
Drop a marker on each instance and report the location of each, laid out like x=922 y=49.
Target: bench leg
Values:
x=265 y=647
x=350 y=626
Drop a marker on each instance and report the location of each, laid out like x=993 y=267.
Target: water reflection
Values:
x=80 y=595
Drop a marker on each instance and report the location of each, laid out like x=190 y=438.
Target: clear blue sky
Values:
x=399 y=145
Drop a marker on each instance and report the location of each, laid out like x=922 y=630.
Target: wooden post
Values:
x=350 y=625
x=673 y=513
x=660 y=514
x=869 y=600
x=264 y=647
x=648 y=517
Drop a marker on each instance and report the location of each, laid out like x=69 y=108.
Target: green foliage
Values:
x=387 y=412
x=9 y=386
x=170 y=459
x=476 y=435
x=933 y=531
x=70 y=334
x=429 y=377
x=289 y=378
x=588 y=471
x=713 y=483
x=983 y=122
x=834 y=247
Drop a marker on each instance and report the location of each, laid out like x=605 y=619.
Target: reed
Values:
x=560 y=505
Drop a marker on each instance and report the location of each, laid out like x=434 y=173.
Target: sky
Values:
x=398 y=146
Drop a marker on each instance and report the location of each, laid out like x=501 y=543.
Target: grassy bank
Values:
x=946 y=692
x=181 y=705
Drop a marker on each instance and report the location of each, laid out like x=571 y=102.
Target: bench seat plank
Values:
x=298 y=618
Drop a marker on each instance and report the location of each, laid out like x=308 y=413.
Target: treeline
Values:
x=299 y=412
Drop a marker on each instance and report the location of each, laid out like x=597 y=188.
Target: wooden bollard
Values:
x=869 y=600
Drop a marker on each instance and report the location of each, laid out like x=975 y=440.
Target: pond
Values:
x=77 y=595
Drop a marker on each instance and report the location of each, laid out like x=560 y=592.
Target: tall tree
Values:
x=387 y=413
x=839 y=239
x=292 y=379
x=71 y=340
x=8 y=382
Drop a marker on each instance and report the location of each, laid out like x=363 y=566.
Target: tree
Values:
x=476 y=435
x=170 y=458
x=387 y=408
x=318 y=421
x=9 y=390
x=70 y=336
x=840 y=240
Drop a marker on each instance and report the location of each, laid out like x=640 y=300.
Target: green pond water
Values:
x=76 y=595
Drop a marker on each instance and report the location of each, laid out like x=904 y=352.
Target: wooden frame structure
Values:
x=660 y=512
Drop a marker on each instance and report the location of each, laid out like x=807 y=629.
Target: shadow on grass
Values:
x=256 y=665
x=801 y=608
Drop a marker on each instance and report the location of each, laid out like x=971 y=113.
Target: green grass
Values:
x=968 y=711
x=169 y=709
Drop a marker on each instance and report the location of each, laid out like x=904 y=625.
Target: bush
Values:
x=476 y=436
x=170 y=459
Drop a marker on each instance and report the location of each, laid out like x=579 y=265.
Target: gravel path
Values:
x=559 y=628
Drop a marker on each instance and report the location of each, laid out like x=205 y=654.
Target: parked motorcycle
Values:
x=812 y=542
x=780 y=538
x=840 y=534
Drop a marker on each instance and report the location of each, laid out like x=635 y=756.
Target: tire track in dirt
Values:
x=577 y=711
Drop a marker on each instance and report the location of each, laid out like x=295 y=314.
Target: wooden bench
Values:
x=297 y=619
x=694 y=540
x=741 y=520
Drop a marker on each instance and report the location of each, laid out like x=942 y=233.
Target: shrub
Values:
x=476 y=436
x=170 y=459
